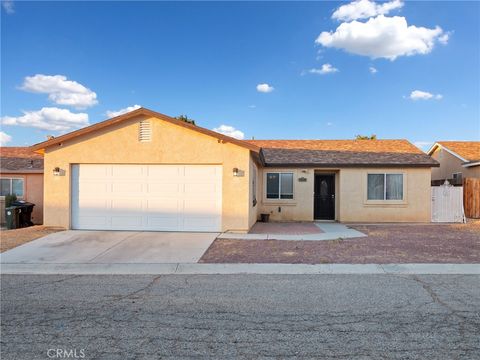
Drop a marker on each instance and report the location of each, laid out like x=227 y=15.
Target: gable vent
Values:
x=145 y=131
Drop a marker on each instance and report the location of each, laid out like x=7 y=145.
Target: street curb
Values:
x=226 y=269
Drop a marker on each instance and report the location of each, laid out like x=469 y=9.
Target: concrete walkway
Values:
x=223 y=269
x=331 y=231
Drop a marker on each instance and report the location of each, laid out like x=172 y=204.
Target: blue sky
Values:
x=80 y=61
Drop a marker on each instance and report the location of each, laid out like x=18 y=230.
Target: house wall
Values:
x=33 y=192
x=450 y=164
x=300 y=208
x=171 y=144
x=416 y=206
x=351 y=203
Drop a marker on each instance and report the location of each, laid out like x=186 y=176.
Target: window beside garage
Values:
x=279 y=185
x=145 y=131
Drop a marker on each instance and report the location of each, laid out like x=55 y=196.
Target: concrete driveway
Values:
x=108 y=247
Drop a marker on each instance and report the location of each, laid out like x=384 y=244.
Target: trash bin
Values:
x=25 y=215
x=11 y=217
x=264 y=217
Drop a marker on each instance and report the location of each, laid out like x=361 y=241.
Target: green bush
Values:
x=9 y=199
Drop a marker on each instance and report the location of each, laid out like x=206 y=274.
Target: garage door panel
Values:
x=165 y=171
x=126 y=205
x=164 y=205
x=147 y=197
x=126 y=221
x=127 y=171
x=164 y=189
x=128 y=188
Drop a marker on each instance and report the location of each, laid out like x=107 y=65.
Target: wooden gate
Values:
x=447 y=203
x=471 y=197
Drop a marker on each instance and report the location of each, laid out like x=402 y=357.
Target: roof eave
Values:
x=356 y=165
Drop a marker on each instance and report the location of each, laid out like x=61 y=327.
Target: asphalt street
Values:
x=240 y=316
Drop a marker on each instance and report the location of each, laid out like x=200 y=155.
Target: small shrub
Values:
x=9 y=199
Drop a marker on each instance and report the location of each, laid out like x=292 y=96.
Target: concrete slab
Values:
x=330 y=231
x=71 y=246
x=159 y=247
x=104 y=247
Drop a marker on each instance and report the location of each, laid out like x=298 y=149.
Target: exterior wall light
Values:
x=56 y=171
x=235 y=171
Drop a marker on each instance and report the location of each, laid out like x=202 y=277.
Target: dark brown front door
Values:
x=324 y=202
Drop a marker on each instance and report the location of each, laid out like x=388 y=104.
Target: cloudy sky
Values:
x=283 y=70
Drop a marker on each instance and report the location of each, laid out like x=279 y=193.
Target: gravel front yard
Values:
x=436 y=243
x=16 y=237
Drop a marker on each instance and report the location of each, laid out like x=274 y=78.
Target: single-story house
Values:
x=147 y=171
x=21 y=173
x=458 y=160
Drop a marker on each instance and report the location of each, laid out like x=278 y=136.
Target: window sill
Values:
x=385 y=203
x=282 y=202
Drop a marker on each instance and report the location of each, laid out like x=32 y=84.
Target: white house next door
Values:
x=146 y=197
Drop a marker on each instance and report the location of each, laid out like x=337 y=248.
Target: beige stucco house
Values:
x=146 y=171
x=457 y=159
x=21 y=173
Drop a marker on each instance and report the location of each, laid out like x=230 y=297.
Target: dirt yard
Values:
x=16 y=237
x=430 y=243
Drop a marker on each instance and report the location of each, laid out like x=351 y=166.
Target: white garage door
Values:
x=147 y=197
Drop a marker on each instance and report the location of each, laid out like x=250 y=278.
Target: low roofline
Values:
x=7 y=171
x=352 y=165
x=141 y=111
x=471 y=163
x=434 y=147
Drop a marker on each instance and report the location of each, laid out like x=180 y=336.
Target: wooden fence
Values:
x=471 y=197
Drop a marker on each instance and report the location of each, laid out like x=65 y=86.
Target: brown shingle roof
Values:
x=20 y=159
x=332 y=153
x=469 y=150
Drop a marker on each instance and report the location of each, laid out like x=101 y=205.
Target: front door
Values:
x=324 y=202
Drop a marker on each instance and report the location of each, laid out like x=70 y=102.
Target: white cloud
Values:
x=230 y=131
x=48 y=118
x=264 y=88
x=372 y=70
x=444 y=38
x=8 y=6
x=60 y=90
x=382 y=37
x=363 y=9
x=4 y=138
x=325 y=69
x=113 y=113
x=424 y=95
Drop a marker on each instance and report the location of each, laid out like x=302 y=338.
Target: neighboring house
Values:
x=21 y=173
x=147 y=171
x=458 y=160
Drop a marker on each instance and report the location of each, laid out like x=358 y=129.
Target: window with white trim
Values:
x=279 y=185
x=385 y=187
x=11 y=186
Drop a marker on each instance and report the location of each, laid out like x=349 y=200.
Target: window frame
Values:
x=11 y=186
x=456 y=173
x=279 y=198
x=385 y=200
